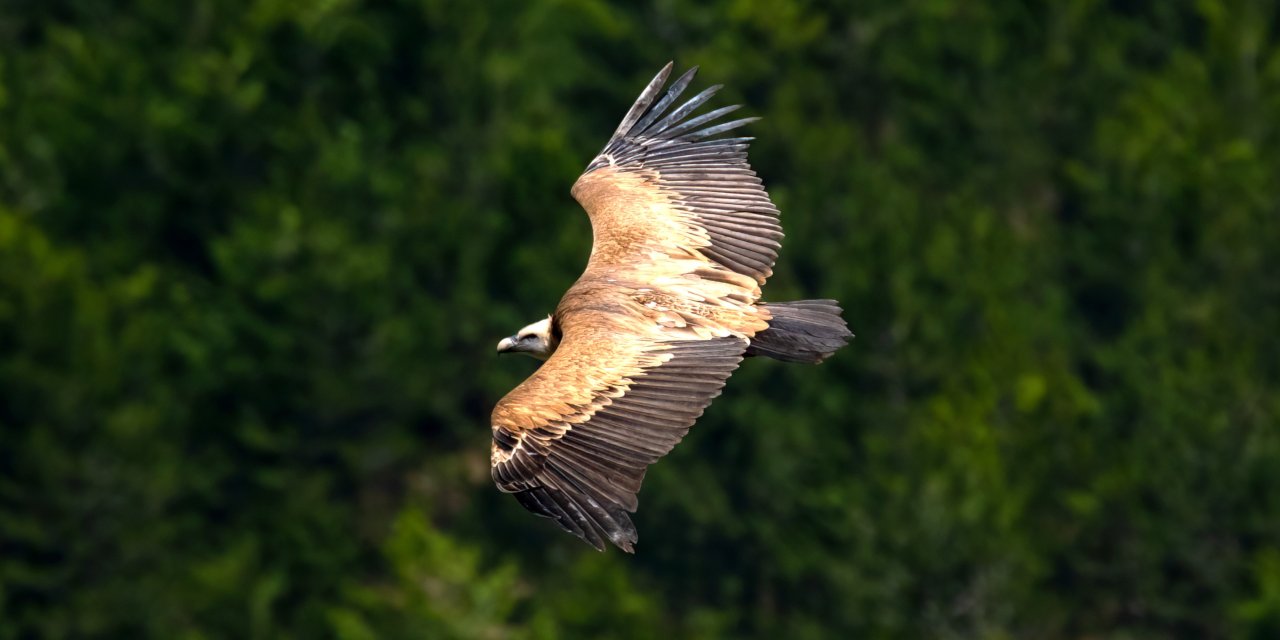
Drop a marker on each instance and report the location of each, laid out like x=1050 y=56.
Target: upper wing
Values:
x=660 y=185
x=684 y=237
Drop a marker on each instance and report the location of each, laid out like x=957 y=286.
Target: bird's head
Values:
x=537 y=340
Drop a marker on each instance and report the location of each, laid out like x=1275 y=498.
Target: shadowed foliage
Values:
x=254 y=257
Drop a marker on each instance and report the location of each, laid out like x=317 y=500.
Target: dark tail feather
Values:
x=805 y=331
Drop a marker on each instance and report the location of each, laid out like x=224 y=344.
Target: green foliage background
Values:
x=254 y=257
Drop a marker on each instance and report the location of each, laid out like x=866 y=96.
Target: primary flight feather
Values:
x=669 y=304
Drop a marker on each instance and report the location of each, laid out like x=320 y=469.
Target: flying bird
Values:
x=668 y=306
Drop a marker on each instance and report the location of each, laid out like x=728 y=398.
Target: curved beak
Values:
x=506 y=344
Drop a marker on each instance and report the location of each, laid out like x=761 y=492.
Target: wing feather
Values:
x=669 y=151
x=646 y=98
x=587 y=477
x=685 y=109
x=674 y=92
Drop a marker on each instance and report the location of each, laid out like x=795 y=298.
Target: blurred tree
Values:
x=254 y=256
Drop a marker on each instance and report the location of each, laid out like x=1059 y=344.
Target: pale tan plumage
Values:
x=685 y=235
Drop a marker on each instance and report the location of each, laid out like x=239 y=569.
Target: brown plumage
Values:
x=685 y=236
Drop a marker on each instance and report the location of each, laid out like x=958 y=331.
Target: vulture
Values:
x=684 y=237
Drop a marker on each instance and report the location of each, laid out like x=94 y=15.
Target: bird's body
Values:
x=669 y=304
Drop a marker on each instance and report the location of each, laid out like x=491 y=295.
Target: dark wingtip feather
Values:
x=568 y=511
x=677 y=130
x=655 y=130
x=625 y=545
x=642 y=103
x=673 y=92
x=720 y=128
x=648 y=127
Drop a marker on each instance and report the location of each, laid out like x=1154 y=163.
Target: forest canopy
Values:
x=254 y=258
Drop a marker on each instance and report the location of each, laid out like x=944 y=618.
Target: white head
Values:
x=536 y=340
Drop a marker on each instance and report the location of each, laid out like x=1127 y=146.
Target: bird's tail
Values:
x=805 y=331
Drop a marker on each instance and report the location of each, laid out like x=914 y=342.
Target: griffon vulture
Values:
x=669 y=304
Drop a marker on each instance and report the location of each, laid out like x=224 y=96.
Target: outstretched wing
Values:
x=684 y=237
x=661 y=184
x=573 y=442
